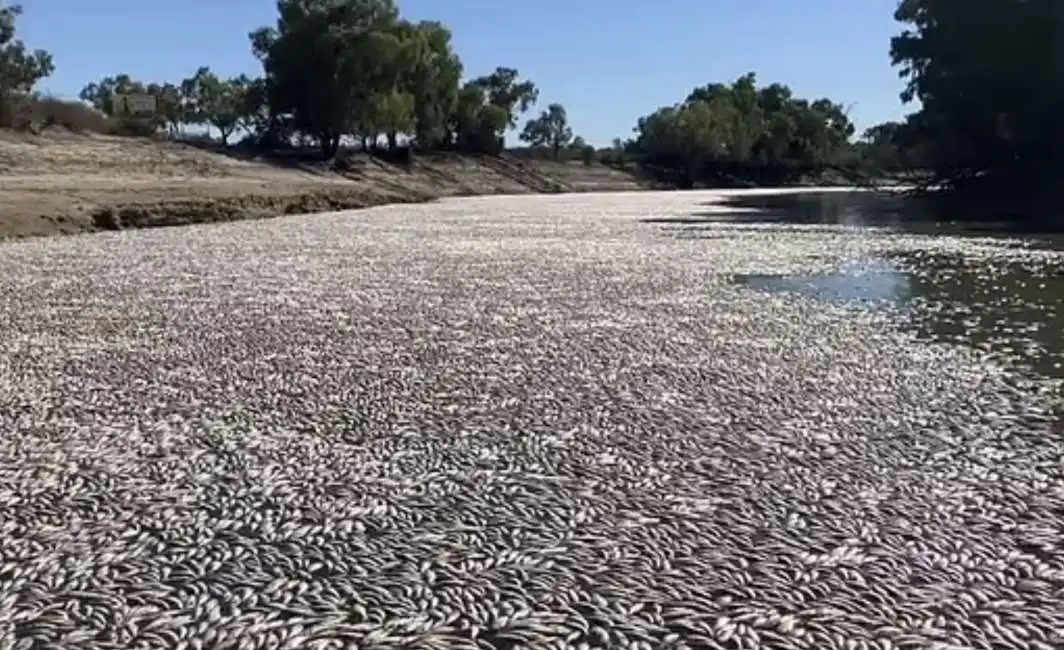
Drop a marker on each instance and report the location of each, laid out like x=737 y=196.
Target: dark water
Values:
x=1011 y=308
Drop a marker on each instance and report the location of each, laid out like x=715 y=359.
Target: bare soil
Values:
x=62 y=182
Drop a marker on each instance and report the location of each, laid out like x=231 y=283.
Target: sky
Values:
x=607 y=61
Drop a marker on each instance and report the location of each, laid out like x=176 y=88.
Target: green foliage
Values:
x=615 y=155
x=331 y=69
x=890 y=148
x=465 y=121
x=433 y=81
x=326 y=60
x=224 y=104
x=725 y=133
x=20 y=69
x=503 y=89
x=200 y=99
x=587 y=153
x=989 y=77
x=355 y=68
x=101 y=96
x=550 y=129
x=477 y=124
x=990 y=80
x=169 y=106
x=392 y=113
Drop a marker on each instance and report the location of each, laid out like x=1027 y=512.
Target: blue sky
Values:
x=607 y=61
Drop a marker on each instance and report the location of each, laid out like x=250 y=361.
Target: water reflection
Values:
x=877 y=283
x=1008 y=307
x=1014 y=308
x=824 y=208
x=894 y=210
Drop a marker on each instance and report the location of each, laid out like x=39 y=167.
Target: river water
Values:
x=1014 y=308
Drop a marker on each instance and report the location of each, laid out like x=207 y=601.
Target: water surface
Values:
x=1007 y=307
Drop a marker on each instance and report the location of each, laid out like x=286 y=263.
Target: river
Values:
x=569 y=420
x=1015 y=307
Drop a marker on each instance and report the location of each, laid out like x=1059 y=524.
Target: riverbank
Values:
x=63 y=183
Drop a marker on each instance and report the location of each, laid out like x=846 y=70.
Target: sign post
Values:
x=136 y=105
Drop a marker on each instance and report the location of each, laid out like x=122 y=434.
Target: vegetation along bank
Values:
x=387 y=112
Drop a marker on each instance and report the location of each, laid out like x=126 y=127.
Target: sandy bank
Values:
x=68 y=183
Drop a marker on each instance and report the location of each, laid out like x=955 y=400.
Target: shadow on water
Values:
x=895 y=210
x=819 y=208
x=1008 y=307
x=806 y=208
x=1015 y=308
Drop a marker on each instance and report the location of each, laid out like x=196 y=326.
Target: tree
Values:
x=336 y=69
x=325 y=61
x=586 y=151
x=432 y=81
x=615 y=154
x=550 y=129
x=890 y=147
x=255 y=115
x=989 y=77
x=169 y=106
x=477 y=124
x=588 y=154
x=20 y=69
x=464 y=120
x=101 y=94
x=392 y=113
x=504 y=90
x=219 y=103
x=738 y=132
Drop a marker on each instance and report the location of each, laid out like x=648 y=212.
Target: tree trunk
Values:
x=393 y=140
x=329 y=145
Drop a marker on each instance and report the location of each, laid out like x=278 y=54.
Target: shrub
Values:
x=72 y=115
x=587 y=154
x=134 y=127
x=36 y=114
x=33 y=113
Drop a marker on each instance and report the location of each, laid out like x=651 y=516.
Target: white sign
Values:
x=134 y=104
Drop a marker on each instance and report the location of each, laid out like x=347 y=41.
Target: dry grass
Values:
x=37 y=114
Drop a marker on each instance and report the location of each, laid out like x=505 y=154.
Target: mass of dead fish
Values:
x=510 y=422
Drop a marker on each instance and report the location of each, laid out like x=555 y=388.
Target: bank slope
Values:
x=62 y=182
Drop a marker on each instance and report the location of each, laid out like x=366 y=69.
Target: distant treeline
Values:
x=332 y=71
x=989 y=77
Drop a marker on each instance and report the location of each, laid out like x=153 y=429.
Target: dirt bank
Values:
x=62 y=182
